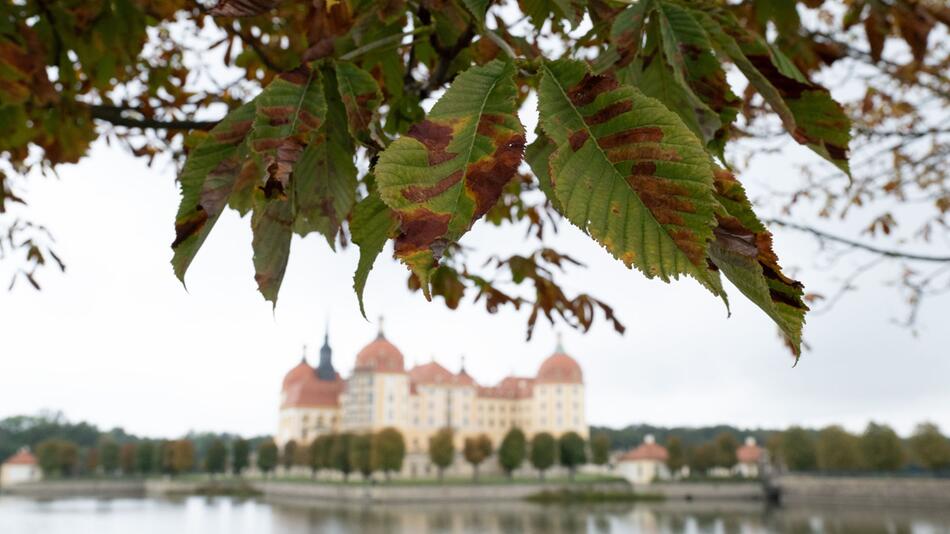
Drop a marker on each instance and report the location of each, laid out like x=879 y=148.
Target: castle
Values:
x=380 y=392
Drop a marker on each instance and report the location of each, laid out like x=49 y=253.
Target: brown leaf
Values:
x=243 y=8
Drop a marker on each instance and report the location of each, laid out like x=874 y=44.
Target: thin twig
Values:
x=113 y=115
x=870 y=248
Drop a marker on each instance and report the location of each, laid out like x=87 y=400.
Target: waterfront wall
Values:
x=78 y=488
x=426 y=493
x=865 y=491
x=704 y=491
x=794 y=490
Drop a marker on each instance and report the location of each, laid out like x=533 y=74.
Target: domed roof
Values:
x=300 y=372
x=380 y=356
x=560 y=368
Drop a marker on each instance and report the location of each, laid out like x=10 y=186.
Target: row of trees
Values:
x=64 y=458
x=878 y=448
x=719 y=452
x=543 y=451
x=832 y=448
x=345 y=452
x=385 y=451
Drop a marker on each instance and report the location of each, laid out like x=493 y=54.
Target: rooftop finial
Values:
x=303 y=353
x=380 y=335
x=326 y=333
x=462 y=370
x=560 y=343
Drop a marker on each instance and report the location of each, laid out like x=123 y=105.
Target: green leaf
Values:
x=478 y=8
x=372 y=224
x=687 y=49
x=207 y=181
x=807 y=110
x=324 y=178
x=541 y=10
x=742 y=250
x=626 y=34
x=289 y=112
x=361 y=98
x=271 y=226
x=538 y=154
x=628 y=172
x=451 y=168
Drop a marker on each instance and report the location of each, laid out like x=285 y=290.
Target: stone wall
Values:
x=802 y=489
x=78 y=488
x=424 y=493
x=704 y=491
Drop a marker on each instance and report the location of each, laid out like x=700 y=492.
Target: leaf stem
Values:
x=506 y=48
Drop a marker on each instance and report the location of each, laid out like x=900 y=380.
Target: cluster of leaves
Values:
x=627 y=152
x=630 y=146
x=890 y=61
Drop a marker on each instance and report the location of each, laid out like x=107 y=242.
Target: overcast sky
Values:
x=118 y=341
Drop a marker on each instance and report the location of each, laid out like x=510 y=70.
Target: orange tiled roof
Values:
x=510 y=387
x=313 y=392
x=749 y=454
x=647 y=451
x=298 y=373
x=23 y=457
x=430 y=373
x=560 y=368
x=381 y=356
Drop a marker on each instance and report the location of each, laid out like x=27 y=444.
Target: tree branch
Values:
x=113 y=115
x=856 y=244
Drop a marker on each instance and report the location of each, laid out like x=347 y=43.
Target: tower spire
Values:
x=462 y=369
x=303 y=353
x=560 y=343
x=325 y=370
x=379 y=335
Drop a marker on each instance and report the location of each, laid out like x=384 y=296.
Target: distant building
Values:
x=19 y=468
x=749 y=458
x=645 y=463
x=380 y=392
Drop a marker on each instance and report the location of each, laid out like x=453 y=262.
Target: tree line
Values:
x=831 y=449
x=63 y=458
x=878 y=448
x=384 y=451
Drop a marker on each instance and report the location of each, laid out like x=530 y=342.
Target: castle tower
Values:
x=325 y=370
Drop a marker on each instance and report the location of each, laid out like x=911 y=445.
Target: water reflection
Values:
x=659 y=518
x=234 y=516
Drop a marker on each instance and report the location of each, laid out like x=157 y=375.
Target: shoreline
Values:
x=793 y=490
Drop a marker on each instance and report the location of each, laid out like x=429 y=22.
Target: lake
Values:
x=213 y=515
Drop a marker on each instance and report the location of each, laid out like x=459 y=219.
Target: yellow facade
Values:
x=418 y=402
